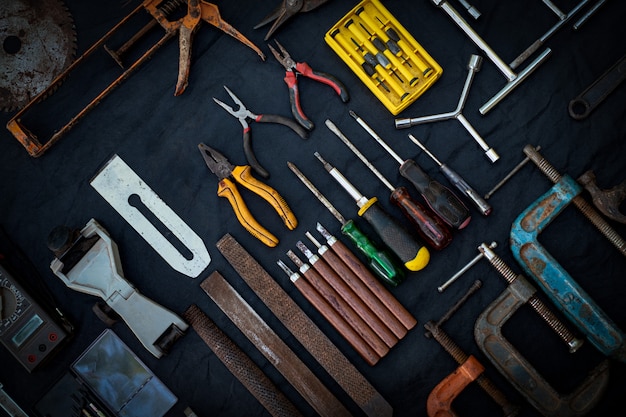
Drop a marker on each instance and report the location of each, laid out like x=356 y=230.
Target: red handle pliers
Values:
x=302 y=68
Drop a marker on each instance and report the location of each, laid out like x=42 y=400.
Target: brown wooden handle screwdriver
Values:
x=321 y=305
x=359 y=288
x=357 y=304
x=340 y=305
x=361 y=271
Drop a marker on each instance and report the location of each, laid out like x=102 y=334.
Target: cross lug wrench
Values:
x=473 y=66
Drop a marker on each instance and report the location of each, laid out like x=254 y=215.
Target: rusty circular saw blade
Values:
x=37 y=42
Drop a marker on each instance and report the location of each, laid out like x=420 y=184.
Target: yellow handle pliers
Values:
x=224 y=170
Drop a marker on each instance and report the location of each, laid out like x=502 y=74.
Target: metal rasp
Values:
x=240 y=364
x=272 y=347
x=304 y=329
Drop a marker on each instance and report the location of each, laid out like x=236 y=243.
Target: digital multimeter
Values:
x=26 y=329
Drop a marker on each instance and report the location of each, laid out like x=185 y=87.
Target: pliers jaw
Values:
x=242 y=113
x=283 y=56
x=217 y=163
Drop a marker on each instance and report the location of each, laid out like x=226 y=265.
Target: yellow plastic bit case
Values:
x=380 y=51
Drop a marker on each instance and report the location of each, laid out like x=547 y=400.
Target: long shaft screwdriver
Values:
x=438 y=197
x=410 y=251
x=429 y=226
x=379 y=261
x=456 y=180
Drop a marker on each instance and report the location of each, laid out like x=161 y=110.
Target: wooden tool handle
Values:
x=352 y=337
x=342 y=308
x=354 y=301
x=364 y=293
x=373 y=284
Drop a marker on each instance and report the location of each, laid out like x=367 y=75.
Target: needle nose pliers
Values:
x=293 y=69
x=224 y=170
x=243 y=114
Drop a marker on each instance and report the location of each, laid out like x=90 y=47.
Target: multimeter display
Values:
x=26 y=330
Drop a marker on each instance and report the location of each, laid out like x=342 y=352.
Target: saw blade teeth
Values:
x=30 y=66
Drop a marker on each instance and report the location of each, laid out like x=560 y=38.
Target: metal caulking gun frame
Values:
x=577 y=305
x=508 y=360
x=92 y=266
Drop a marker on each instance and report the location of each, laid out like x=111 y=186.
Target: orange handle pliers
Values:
x=219 y=165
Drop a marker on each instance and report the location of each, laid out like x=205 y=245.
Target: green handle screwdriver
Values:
x=379 y=261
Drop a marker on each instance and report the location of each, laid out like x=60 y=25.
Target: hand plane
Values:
x=89 y=262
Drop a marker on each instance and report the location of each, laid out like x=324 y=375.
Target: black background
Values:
x=157 y=135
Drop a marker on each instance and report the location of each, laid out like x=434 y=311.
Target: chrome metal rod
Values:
x=510 y=86
x=475 y=37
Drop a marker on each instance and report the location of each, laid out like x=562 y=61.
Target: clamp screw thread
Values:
x=555 y=324
x=598 y=221
x=542 y=164
x=594 y=217
x=446 y=342
x=502 y=268
x=539 y=306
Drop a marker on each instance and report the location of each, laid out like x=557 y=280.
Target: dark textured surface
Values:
x=157 y=135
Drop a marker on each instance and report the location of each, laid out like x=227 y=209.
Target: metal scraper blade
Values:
x=116 y=182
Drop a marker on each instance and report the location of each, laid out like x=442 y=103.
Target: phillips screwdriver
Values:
x=438 y=197
x=429 y=226
x=410 y=251
x=456 y=180
x=379 y=261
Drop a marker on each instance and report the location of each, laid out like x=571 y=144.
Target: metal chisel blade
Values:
x=116 y=183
